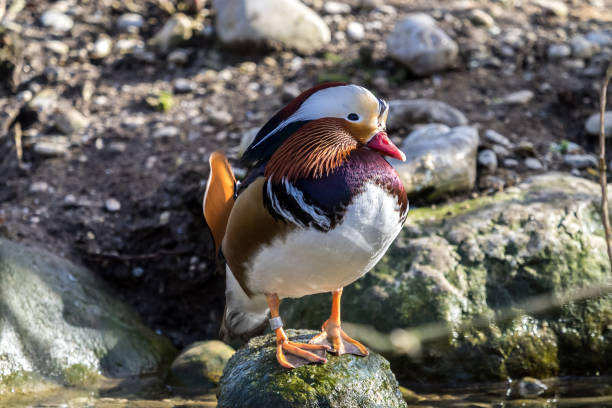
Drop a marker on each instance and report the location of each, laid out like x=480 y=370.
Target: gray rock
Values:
x=166 y=132
x=464 y=262
x=355 y=31
x=602 y=38
x=219 y=117
x=102 y=47
x=481 y=18
x=419 y=44
x=69 y=120
x=555 y=7
x=199 y=367
x=529 y=387
x=497 y=138
x=488 y=159
x=521 y=97
x=510 y=163
x=130 y=22
x=500 y=150
x=57 y=47
x=492 y=182
x=56 y=20
x=408 y=112
x=253 y=378
x=592 y=124
x=112 y=205
x=39 y=187
x=336 y=7
x=177 y=30
x=580 y=161
x=558 y=51
x=128 y=45
x=288 y=23
x=439 y=160
x=52 y=146
x=183 y=85
x=533 y=164
x=178 y=57
x=583 y=48
x=61 y=322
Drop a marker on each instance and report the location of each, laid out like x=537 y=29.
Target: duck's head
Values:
x=316 y=131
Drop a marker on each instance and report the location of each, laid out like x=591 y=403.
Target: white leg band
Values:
x=275 y=323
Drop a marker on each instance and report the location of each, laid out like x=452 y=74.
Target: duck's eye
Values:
x=353 y=116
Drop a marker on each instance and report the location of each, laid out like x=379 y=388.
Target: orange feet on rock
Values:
x=291 y=354
x=333 y=336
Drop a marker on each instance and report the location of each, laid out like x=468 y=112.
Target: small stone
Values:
x=500 y=150
x=112 y=205
x=102 y=47
x=493 y=182
x=56 y=146
x=164 y=218
x=355 y=31
x=220 y=117
x=70 y=121
x=480 y=18
x=166 y=132
x=592 y=124
x=531 y=387
x=56 y=20
x=510 y=163
x=554 y=7
x=183 y=85
x=602 y=38
x=407 y=112
x=580 y=161
x=533 y=163
x=137 y=272
x=518 y=98
x=370 y=4
x=133 y=122
x=176 y=31
x=583 y=48
x=488 y=159
x=57 y=47
x=497 y=138
x=419 y=44
x=336 y=7
x=39 y=187
x=200 y=366
x=130 y=22
x=525 y=148
x=558 y=51
x=178 y=57
x=128 y=45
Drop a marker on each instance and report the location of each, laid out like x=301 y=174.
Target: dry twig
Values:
x=605 y=214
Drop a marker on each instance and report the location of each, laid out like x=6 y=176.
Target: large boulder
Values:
x=439 y=161
x=61 y=323
x=286 y=23
x=483 y=261
x=422 y=46
x=253 y=378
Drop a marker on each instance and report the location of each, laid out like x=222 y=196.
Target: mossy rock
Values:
x=471 y=261
x=253 y=378
x=61 y=324
x=200 y=366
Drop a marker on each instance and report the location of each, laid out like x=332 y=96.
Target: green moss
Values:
x=79 y=375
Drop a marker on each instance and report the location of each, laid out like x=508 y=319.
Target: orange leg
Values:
x=333 y=335
x=298 y=352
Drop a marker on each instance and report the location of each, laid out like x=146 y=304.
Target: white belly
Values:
x=308 y=261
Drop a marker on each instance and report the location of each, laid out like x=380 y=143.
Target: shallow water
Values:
x=145 y=393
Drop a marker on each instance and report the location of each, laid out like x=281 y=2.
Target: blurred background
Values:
x=110 y=109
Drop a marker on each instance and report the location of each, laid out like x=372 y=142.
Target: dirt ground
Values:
x=155 y=250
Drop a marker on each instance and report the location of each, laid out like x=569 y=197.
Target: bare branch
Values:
x=605 y=214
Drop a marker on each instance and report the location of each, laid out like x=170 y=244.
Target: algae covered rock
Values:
x=59 y=322
x=484 y=261
x=199 y=367
x=253 y=378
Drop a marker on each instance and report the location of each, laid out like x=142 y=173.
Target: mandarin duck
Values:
x=317 y=209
